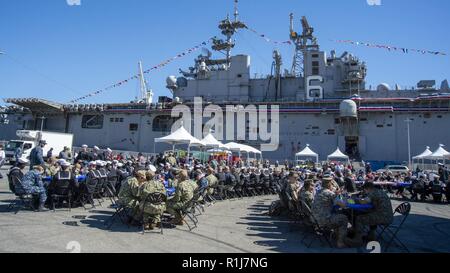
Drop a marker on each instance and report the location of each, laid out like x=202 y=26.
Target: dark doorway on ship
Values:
x=352 y=148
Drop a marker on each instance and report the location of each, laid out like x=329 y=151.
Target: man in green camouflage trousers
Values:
x=381 y=214
x=212 y=181
x=130 y=191
x=322 y=211
x=152 y=211
x=183 y=195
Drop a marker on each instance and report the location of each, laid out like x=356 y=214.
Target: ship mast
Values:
x=146 y=94
x=228 y=29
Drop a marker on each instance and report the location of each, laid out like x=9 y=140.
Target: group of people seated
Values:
x=137 y=181
x=324 y=191
x=413 y=185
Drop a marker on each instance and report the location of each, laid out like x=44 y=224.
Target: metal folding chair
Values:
x=315 y=229
x=393 y=229
x=154 y=198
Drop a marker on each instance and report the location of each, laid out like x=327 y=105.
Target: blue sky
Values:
x=60 y=52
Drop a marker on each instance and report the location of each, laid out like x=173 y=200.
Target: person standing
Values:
x=66 y=155
x=17 y=154
x=2 y=159
x=50 y=153
x=37 y=155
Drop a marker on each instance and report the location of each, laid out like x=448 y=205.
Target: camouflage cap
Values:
x=141 y=175
x=149 y=175
x=183 y=175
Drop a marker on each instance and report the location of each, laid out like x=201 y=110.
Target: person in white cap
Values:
x=108 y=154
x=16 y=173
x=83 y=155
x=95 y=154
x=63 y=178
x=102 y=172
x=2 y=159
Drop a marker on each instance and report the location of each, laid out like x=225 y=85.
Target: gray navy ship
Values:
x=323 y=101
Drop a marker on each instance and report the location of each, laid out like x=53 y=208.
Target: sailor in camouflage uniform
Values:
x=151 y=212
x=183 y=195
x=129 y=194
x=292 y=191
x=323 y=212
x=32 y=184
x=381 y=214
x=212 y=181
x=307 y=192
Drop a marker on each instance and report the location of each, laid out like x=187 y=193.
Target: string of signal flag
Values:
x=135 y=77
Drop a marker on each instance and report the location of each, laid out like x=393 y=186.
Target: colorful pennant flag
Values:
x=162 y=64
x=267 y=39
x=391 y=48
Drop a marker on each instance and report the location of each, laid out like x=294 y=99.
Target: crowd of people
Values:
x=136 y=180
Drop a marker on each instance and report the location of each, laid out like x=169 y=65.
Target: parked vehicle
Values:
x=29 y=139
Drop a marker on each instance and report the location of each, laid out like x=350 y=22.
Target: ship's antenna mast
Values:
x=143 y=83
x=146 y=95
x=236 y=12
x=228 y=28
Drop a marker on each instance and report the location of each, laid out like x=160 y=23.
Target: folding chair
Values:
x=121 y=213
x=189 y=211
x=156 y=198
x=63 y=191
x=88 y=191
x=392 y=230
x=22 y=201
x=315 y=229
x=198 y=206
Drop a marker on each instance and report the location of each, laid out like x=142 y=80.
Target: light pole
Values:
x=408 y=121
x=42 y=122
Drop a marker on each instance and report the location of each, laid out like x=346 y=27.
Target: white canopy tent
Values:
x=338 y=156
x=211 y=142
x=439 y=154
x=423 y=155
x=233 y=146
x=307 y=153
x=180 y=136
x=236 y=147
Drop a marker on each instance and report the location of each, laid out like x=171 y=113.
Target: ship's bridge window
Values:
x=163 y=123
x=92 y=122
x=134 y=127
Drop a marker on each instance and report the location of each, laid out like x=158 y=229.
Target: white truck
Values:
x=29 y=139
